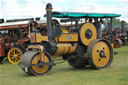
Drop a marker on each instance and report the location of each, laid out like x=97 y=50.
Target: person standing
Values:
x=101 y=28
x=98 y=26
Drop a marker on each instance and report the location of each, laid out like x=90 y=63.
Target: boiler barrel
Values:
x=65 y=48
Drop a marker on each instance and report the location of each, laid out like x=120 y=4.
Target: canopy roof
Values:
x=81 y=15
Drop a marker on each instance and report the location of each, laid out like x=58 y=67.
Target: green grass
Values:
x=63 y=74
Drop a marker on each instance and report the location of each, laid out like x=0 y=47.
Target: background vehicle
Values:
x=14 y=37
x=120 y=36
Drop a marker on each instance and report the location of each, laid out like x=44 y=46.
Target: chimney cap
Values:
x=49 y=5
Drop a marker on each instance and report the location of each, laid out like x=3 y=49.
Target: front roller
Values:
x=36 y=63
x=100 y=54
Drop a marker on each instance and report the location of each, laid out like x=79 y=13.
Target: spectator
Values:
x=102 y=27
x=90 y=20
x=98 y=26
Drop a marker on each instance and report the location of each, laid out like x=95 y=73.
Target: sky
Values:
x=12 y=9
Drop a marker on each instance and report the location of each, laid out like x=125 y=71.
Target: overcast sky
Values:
x=10 y=9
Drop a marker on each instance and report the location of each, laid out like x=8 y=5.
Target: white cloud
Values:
x=26 y=8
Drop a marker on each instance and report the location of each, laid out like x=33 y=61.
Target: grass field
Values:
x=63 y=74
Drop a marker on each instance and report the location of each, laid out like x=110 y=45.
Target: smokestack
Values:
x=49 y=22
x=53 y=46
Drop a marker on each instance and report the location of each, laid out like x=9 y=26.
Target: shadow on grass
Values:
x=87 y=68
x=60 y=70
x=71 y=69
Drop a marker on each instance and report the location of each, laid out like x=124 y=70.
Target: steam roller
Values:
x=78 y=48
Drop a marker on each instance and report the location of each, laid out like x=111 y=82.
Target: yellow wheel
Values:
x=14 y=55
x=88 y=33
x=41 y=69
x=100 y=54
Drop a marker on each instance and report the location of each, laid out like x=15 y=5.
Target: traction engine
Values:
x=80 y=48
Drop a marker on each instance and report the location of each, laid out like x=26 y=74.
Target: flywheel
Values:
x=87 y=33
x=100 y=54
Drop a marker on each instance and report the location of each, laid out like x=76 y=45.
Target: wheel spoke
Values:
x=17 y=58
x=12 y=57
x=19 y=54
x=11 y=54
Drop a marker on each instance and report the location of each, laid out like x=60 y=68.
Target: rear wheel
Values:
x=77 y=59
x=78 y=62
x=14 y=55
x=100 y=54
